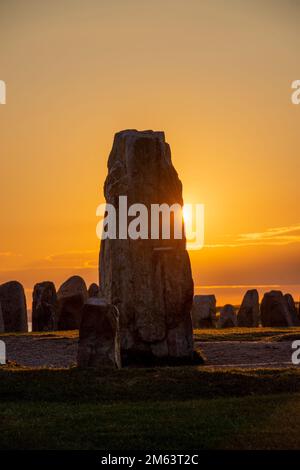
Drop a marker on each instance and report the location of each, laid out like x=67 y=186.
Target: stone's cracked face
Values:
x=149 y=280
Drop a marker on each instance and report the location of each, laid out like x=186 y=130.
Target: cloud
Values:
x=273 y=236
x=8 y=254
x=277 y=236
x=70 y=259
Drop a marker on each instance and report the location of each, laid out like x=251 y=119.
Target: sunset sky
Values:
x=215 y=75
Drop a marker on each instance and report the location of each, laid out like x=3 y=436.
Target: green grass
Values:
x=244 y=334
x=261 y=422
x=228 y=334
x=178 y=408
x=133 y=385
x=161 y=408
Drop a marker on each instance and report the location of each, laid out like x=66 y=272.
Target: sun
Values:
x=186 y=213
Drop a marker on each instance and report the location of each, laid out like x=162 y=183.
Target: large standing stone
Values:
x=1 y=321
x=227 y=317
x=99 y=341
x=71 y=295
x=44 y=307
x=292 y=309
x=204 y=311
x=275 y=311
x=149 y=281
x=13 y=303
x=248 y=314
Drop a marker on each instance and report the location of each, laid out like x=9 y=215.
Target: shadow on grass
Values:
x=135 y=385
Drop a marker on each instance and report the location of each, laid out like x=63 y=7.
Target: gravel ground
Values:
x=55 y=351
x=247 y=354
x=40 y=351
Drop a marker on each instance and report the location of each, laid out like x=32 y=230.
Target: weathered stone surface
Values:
x=148 y=280
x=248 y=314
x=227 y=317
x=1 y=321
x=274 y=310
x=13 y=303
x=72 y=296
x=44 y=307
x=99 y=341
x=93 y=290
x=292 y=309
x=204 y=311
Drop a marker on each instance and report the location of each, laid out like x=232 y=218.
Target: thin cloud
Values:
x=277 y=236
x=274 y=236
x=9 y=254
x=68 y=260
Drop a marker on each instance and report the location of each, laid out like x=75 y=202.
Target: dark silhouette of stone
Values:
x=1 y=321
x=204 y=311
x=227 y=317
x=274 y=310
x=44 y=307
x=149 y=280
x=93 y=290
x=72 y=296
x=292 y=309
x=248 y=314
x=13 y=303
x=99 y=342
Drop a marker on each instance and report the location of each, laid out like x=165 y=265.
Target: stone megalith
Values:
x=99 y=340
x=44 y=307
x=204 y=311
x=13 y=303
x=149 y=280
x=227 y=317
x=292 y=309
x=71 y=296
x=1 y=321
x=274 y=310
x=248 y=314
x=93 y=290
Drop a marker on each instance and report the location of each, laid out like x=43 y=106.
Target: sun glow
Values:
x=186 y=214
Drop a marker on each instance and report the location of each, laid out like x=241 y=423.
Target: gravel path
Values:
x=55 y=351
x=39 y=351
x=247 y=354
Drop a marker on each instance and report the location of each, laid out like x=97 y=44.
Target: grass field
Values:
x=168 y=408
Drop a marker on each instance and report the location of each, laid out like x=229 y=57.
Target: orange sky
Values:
x=214 y=75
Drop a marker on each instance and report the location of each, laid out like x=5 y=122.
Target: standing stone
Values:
x=44 y=307
x=227 y=317
x=99 y=341
x=248 y=314
x=149 y=280
x=204 y=311
x=292 y=309
x=275 y=311
x=13 y=303
x=1 y=321
x=93 y=290
x=72 y=296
